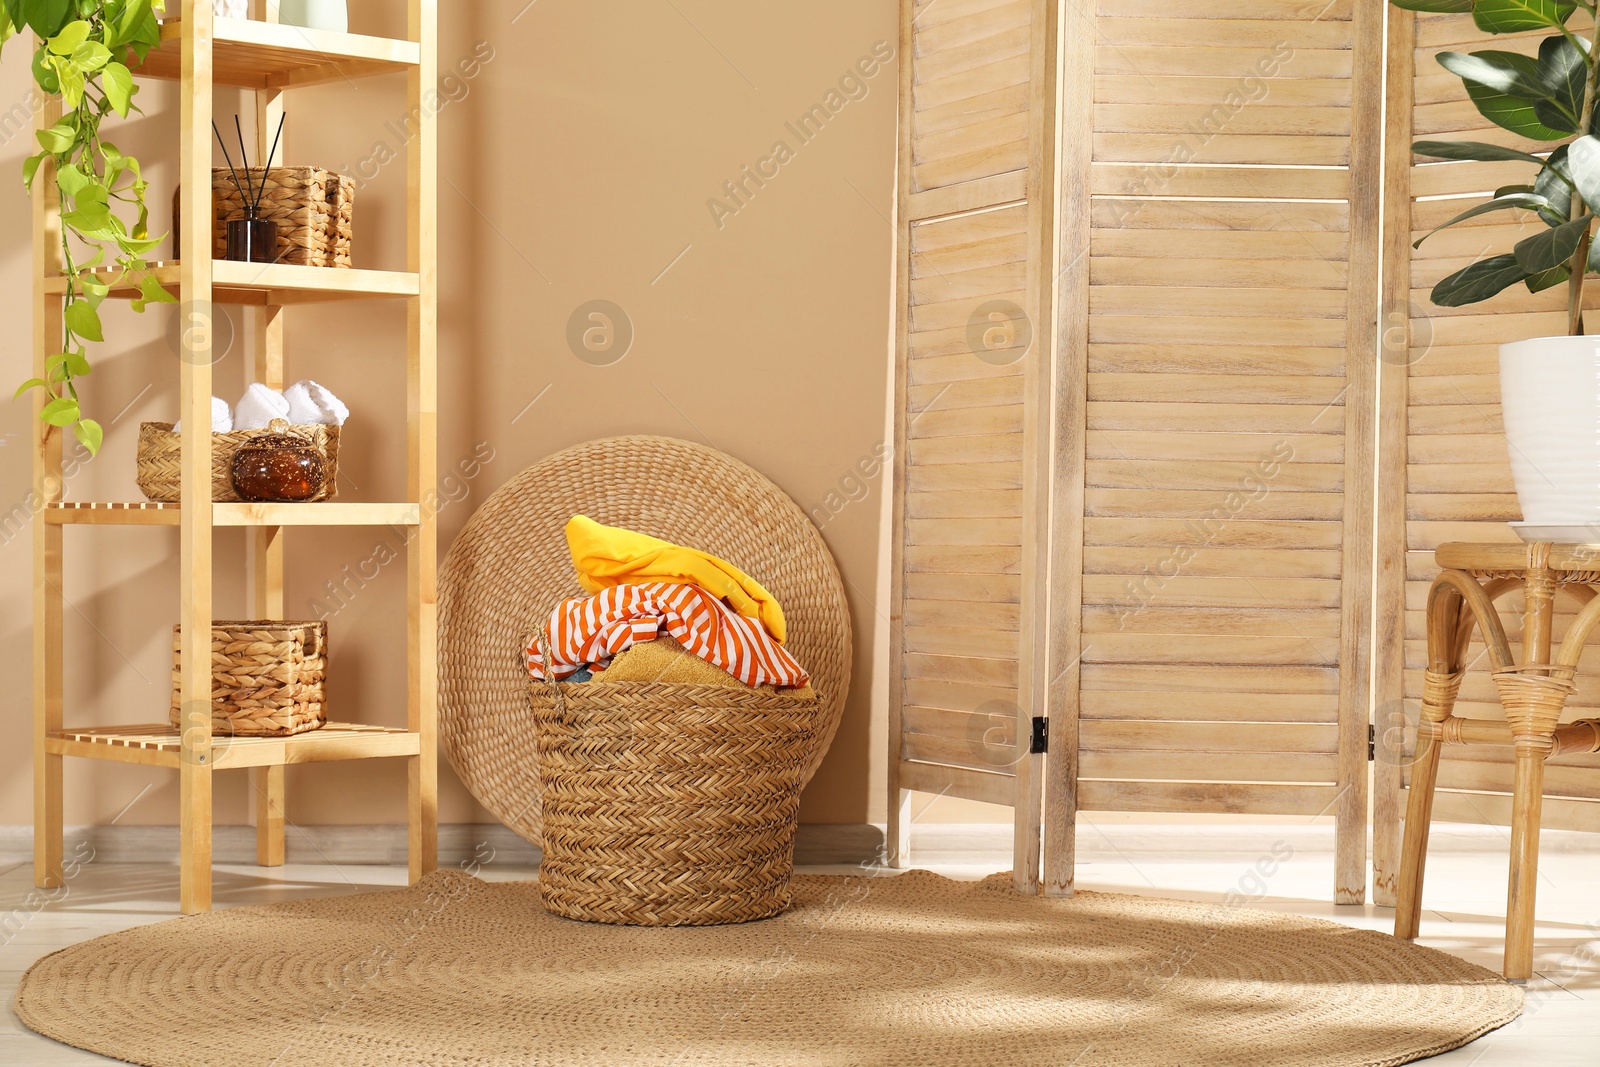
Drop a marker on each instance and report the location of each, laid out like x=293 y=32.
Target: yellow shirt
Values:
x=606 y=556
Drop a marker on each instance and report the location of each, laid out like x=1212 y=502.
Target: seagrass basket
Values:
x=159 y=460
x=667 y=804
x=266 y=677
x=314 y=209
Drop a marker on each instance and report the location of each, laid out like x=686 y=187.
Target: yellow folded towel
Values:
x=607 y=556
x=664 y=660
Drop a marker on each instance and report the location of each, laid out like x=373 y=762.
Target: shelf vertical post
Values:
x=47 y=488
x=422 y=648
x=196 y=334
x=265 y=328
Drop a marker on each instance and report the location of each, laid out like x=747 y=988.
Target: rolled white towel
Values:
x=221 y=417
x=258 y=407
x=311 y=404
x=328 y=402
x=303 y=411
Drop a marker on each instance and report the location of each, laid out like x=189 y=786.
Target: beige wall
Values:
x=578 y=163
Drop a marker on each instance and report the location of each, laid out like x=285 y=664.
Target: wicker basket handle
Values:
x=546 y=657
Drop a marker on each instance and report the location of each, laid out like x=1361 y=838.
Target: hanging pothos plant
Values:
x=81 y=57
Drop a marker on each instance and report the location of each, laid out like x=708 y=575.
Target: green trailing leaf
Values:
x=62 y=411
x=45 y=74
x=117 y=81
x=82 y=57
x=45 y=17
x=91 y=56
x=72 y=35
x=90 y=435
x=28 y=386
x=70 y=179
x=30 y=169
x=153 y=292
x=1525 y=201
x=1516 y=16
x=84 y=321
x=1553 y=247
x=58 y=138
x=143 y=245
x=72 y=81
x=1479 y=281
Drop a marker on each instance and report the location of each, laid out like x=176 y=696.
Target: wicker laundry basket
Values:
x=159 y=460
x=511 y=565
x=668 y=804
x=266 y=677
x=314 y=210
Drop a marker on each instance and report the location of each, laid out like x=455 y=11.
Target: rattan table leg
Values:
x=1439 y=697
x=1441 y=683
x=1533 y=696
x=1527 y=808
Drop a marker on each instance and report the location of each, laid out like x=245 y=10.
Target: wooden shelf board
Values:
x=330 y=513
x=264 y=284
x=159 y=744
x=261 y=55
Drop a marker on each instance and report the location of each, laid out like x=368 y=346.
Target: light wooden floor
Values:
x=1465 y=907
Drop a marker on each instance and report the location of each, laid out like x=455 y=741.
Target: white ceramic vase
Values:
x=315 y=14
x=1550 y=396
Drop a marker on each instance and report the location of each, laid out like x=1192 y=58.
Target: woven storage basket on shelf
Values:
x=313 y=208
x=510 y=566
x=670 y=805
x=159 y=462
x=266 y=677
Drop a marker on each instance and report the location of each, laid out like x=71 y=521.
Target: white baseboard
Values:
x=386 y=844
x=976 y=844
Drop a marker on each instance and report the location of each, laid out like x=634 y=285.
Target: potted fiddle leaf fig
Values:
x=1550 y=386
x=84 y=54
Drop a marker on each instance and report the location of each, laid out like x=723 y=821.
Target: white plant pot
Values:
x=315 y=14
x=231 y=9
x=1550 y=396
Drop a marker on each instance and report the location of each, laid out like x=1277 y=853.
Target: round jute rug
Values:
x=914 y=970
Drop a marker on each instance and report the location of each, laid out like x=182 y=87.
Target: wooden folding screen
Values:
x=975 y=219
x=1204 y=604
x=1445 y=475
x=1227 y=174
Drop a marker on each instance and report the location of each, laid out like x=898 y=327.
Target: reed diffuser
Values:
x=251 y=239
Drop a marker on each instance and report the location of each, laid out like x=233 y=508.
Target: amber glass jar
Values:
x=278 y=466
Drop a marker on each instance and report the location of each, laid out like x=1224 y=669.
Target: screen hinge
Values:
x=1372 y=742
x=1041 y=735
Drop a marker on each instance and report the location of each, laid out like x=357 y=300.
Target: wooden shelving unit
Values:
x=201 y=51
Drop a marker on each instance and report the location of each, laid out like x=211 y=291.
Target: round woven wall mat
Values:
x=914 y=970
x=510 y=567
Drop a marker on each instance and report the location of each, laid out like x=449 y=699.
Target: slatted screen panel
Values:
x=1227 y=439
x=1447 y=455
x=971 y=331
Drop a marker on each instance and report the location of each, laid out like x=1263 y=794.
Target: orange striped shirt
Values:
x=588 y=631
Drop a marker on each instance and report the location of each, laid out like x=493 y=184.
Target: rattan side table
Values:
x=1533 y=693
